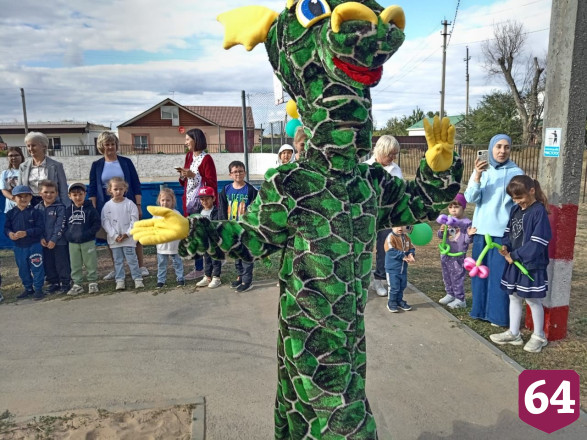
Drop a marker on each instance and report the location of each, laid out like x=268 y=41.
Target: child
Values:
x=234 y=200
x=83 y=221
x=525 y=240
x=212 y=267
x=399 y=252
x=285 y=155
x=458 y=239
x=118 y=217
x=55 y=246
x=25 y=225
x=166 y=199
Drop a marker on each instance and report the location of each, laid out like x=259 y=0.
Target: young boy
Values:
x=212 y=267
x=25 y=226
x=83 y=221
x=233 y=202
x=55 y=246
x=399 y=252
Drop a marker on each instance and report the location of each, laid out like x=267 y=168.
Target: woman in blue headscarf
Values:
x=487 y=189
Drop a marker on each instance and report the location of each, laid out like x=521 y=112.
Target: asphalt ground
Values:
x=428 y=377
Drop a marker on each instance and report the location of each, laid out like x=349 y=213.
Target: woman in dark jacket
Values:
x=104 y=169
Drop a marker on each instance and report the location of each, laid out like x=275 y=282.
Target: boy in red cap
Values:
x=458 y=239
x=212 y=267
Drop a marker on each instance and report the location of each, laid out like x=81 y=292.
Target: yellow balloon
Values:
x=291 y=109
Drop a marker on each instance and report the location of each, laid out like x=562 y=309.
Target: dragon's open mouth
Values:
x=364 y=75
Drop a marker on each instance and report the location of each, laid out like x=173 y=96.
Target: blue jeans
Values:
x=244 y=270
x=397 y=284
x=128 y=252
x=30 y=266
x=162 y=261
x=490 y=302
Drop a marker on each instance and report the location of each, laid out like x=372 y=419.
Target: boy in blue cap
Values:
x=25 y=226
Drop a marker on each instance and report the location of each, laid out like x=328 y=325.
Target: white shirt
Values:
x=392 y=168
x=170 y=248
x=119 y=218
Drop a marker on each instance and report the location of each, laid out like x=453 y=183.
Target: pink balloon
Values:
x=483 y=271
x=473 y=272
x=469 y=263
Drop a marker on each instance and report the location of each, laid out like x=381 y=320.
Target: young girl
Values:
x=285 y=155
x=525 y=240
x=166 y=199
x=212 y=267
x=118 y=217
x=458 y=239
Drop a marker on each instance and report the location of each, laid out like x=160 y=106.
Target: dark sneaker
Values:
x=405 y=306
x=236 y=283
x=53 y=288
x=244 y=287
x=25 y=294
x=1 y=297
x=65 y=287
x=392 y=309
x=181 y=283
x=160 y=285
x=38 y=295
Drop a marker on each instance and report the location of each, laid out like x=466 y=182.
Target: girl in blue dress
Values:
x=525 y=240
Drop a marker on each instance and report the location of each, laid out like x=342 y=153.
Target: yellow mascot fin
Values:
x=248 y=25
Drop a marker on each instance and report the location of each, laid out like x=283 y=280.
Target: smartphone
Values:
x=178 y=168
x=483 y=156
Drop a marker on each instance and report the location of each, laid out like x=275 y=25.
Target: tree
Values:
x=504 y=55
x=399 y=126
x=495 y=113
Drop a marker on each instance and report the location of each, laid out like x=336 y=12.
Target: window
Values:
x=140 y=141
x=170 y=112
x=55 y=143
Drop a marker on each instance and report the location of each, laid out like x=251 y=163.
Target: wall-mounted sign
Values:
x=552 y=139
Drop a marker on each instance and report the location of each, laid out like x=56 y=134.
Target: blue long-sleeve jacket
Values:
x=400 y=247
x=55 y=222
x=30 y=220
x=493 y=204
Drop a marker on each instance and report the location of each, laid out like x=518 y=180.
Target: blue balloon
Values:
x=292 y=126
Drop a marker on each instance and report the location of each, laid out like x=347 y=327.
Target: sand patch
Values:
x=167 y=423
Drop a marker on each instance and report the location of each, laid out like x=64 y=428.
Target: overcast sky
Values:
x=105 y=62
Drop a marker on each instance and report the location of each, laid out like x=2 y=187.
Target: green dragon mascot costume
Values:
x=322 y=213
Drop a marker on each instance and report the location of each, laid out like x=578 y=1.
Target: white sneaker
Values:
x=457 y=304
x=446 y=300
x=110 y=276
x=144 y=271
x=214 y=283
x=379 y=287
x=93 y=288
x=535 y=344
x=203 y=282
x=139 y=284
x=120 y=285
x=193 y=275
x=75 y=290
x=506 y=338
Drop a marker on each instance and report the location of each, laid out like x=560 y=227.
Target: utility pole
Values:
x=466 y=60
x=246 y=150
x=562 y=157
x=444 y=34
x=26 y=124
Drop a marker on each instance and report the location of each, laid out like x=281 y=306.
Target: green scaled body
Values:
x=322 y=213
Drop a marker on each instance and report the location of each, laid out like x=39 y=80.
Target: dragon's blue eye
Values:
x=309 y=12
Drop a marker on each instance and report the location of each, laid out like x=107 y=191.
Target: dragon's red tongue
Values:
x=364 y=75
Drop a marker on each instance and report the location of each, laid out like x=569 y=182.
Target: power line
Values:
x=453 y=24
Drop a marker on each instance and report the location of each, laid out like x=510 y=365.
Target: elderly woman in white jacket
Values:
x=385 y=152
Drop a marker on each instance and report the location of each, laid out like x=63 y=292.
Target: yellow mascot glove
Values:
x=440 y=138
x=171 y=226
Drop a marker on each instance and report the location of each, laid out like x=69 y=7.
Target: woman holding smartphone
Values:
x=199 y=170
x=487 y=189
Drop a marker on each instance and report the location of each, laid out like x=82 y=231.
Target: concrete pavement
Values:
x=427 y=376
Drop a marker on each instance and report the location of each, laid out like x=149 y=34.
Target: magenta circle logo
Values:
x=549 y=400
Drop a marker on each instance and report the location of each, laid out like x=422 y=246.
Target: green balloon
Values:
x=421 y=234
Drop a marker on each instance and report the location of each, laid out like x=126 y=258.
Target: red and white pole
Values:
x=560 y=167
